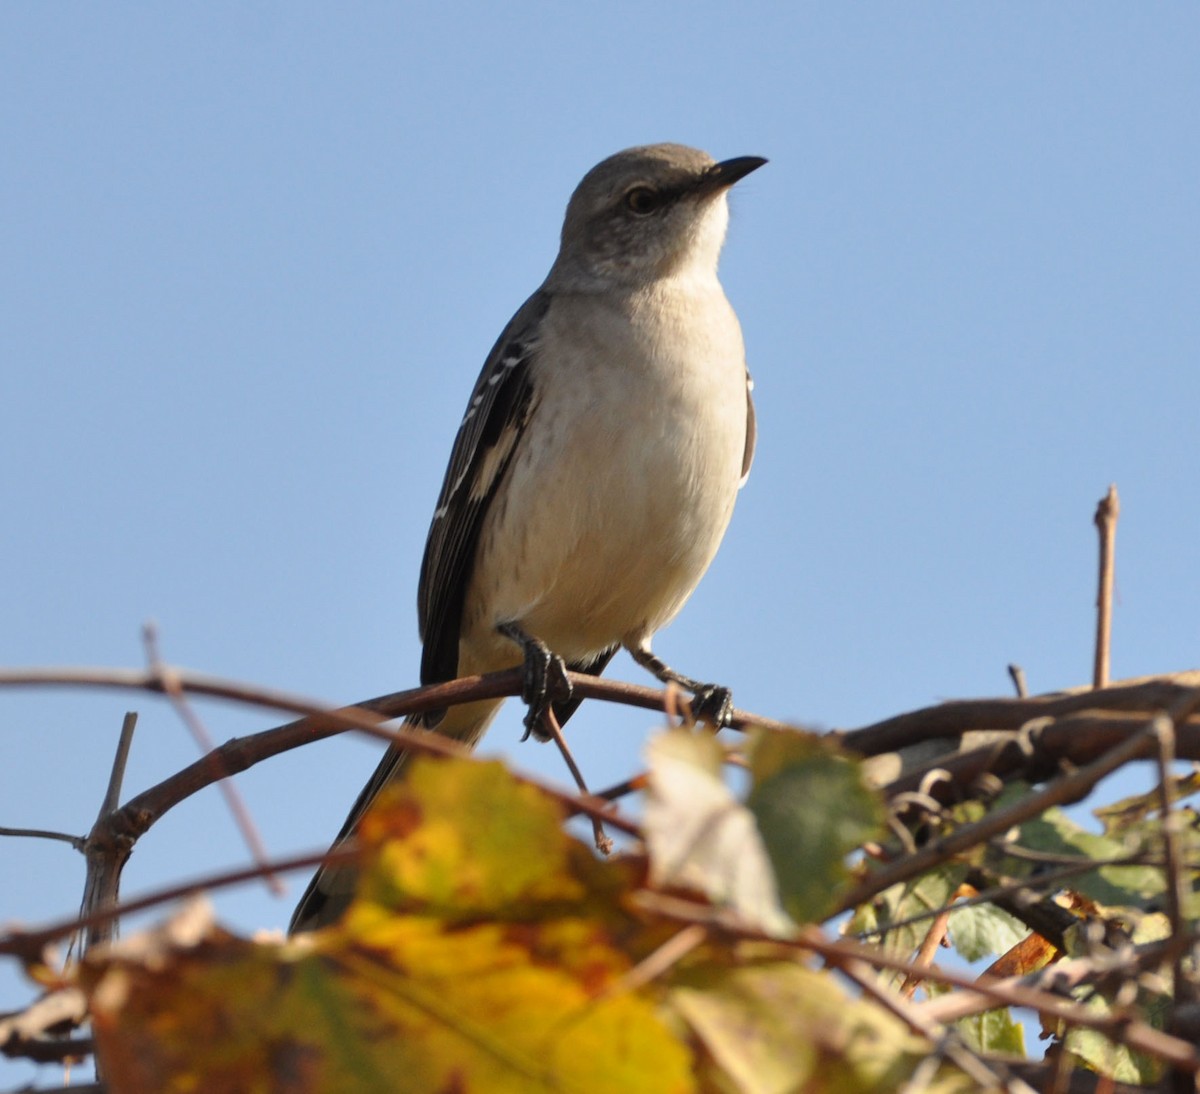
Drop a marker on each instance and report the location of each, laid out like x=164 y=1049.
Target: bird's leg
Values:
x=545 y=681
x=712 y=703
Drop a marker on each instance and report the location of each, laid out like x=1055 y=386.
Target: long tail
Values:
x=332 y=887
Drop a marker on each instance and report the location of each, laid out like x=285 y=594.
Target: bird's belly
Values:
x=606 y=531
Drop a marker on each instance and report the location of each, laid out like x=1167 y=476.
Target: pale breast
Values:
x=610 y=519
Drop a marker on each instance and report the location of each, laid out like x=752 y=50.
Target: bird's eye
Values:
x=642 y=201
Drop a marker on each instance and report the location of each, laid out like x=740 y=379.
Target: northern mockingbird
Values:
x=596 y=467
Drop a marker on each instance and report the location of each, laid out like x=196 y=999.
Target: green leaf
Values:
x=1116 y=1061
x=886 y=919
x=1054 y=833
x=813 y=809
x=994 y=1031
x=700 y=837
x=982 y=930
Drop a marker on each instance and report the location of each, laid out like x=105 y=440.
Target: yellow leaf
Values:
x=485 y=953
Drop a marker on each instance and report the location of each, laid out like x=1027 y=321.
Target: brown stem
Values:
x=1107 y=513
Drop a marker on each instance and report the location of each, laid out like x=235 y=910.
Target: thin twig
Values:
x=77 y=842
x=1008 y=892
x=1105 y=967
x=28 y=943
x=1107 y=513
x=1017 y=675
x=319 y=720
x=660 y=961
x=981 y=1071
x=635 y=784
x=195 y=725
x=116 y=776
x=554 y=730
x=932 y=940
x=988 y=994
x=604 y=843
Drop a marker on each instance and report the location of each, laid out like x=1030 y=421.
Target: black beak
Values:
x=720 y=176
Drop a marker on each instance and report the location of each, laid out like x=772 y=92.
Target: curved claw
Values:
x=545 y=682
x=713 y=704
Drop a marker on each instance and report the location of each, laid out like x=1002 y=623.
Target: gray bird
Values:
x=596 y=468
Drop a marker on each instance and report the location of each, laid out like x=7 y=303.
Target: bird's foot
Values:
x=711 y=703
x=545 y=682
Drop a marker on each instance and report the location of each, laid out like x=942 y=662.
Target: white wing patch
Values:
x=751 y=431
x=493 y=460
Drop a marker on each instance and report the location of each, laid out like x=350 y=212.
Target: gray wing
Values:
x=499 y=407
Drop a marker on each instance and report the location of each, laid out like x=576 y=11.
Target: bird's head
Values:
x=647 y=213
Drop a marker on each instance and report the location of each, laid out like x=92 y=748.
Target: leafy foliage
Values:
x=776 y=930
x=490 y=950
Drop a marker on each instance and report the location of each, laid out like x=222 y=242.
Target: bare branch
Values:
x=116 y=777
x=121 y=828
x=948 y=1042
x=1107 y=513
x=932 y=941
x=1067 y=788
x=658 y=962
x=27 y=944
x=229 y=791
x=603 y=843
x=77 y=842
x=466 y=689
x=947 y=720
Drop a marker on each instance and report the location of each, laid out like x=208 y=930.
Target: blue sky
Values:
x=254 y=256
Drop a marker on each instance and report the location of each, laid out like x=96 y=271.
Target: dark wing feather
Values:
x=594 y=666
x=502 y=398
